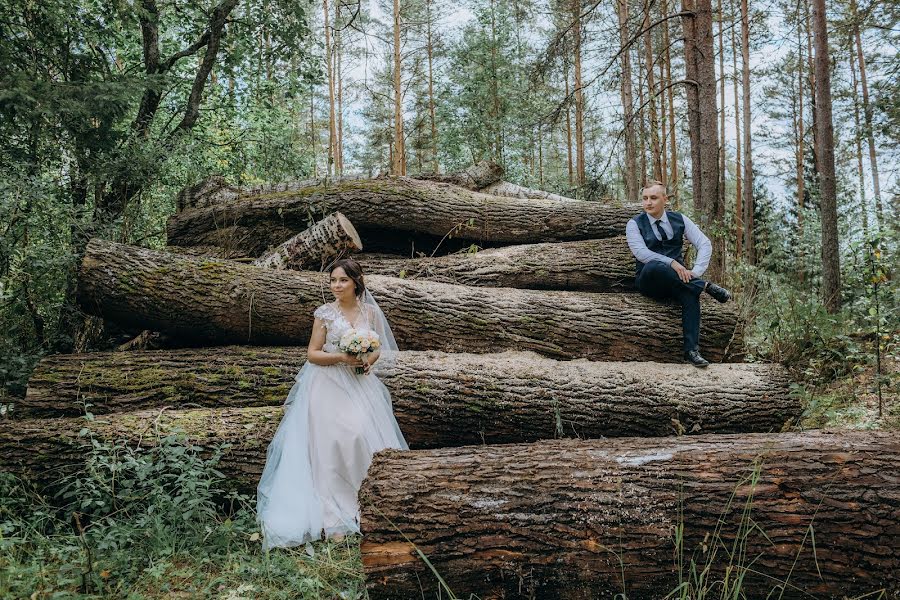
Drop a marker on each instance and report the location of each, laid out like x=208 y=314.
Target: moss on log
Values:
x=439 y=399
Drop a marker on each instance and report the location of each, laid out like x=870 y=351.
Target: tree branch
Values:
x=216 y=30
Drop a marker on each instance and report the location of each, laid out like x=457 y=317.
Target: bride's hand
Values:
x=351 y=360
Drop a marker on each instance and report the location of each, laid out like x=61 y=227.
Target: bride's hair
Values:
x=354 y=271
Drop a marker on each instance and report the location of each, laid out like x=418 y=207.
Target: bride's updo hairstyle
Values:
x=354 y=271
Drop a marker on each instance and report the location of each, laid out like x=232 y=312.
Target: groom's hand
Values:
x=683 y=273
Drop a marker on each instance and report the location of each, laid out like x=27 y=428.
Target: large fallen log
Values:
x=382 y=207
x=314 y=247
x=605 y=265
x=439 y=399
x=816 y=513
x=512 y=190
x=222 y=302
x=215 y=189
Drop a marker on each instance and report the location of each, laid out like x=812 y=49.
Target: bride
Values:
x=334 y=421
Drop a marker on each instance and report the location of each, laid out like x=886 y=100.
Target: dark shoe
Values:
x=719 y=293
x=693 y=357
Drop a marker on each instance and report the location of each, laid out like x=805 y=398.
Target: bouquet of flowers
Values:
x=359 y=342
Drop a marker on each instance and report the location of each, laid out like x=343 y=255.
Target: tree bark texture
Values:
x=605 y=265
x=573 y=519
x=476 y=177
x=703 y=114
x=397 y=204
x=831 y=265
x=748 y=202
x=867 y=112
x=222 y=302
x=330 y=238
x=215 y=189
x=439 y=399
x=632 y=177
x=512 y=190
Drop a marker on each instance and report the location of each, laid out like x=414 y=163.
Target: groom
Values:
x=656 y=238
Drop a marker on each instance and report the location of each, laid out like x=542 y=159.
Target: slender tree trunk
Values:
x=329 y=62
x=858 y=134
x=722 y=169
x=399 y=159
x=339 y=146
x=867 y=113
x=540 y=150
x=663 y=127
x=651 y=89
x=569 y=152
x=642 y=128
x=495 y=92
x=801 y=142
x=810 y=58
x=748 y=202
x=831 y=267
x=435 y=167
x=673 y=138
x=579 y=98
x=313 y=134
x=738 y=165
x=632 y=177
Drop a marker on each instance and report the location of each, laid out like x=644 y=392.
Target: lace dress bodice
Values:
x=336 y=325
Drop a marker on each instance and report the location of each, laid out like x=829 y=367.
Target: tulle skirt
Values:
x=334 y=421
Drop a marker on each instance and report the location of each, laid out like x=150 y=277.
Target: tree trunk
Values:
x=801 y=152
x=703 y=114
x=398 y=166
x=670 y=93
x=389 y=205
x=574 y=519
x=858 y=135
x=439 y=399
x=435 y=166
x=831 y=267
x=738 y=165
x=579 y=98
x=722 y=153
x=867 y=113
x=651 y=89
x=748 y=202
x=588 y=266
x=332 y=122
x=222 y=302
x=314 y=248
x=339 y=83
x=215 y=189
x=569 y=133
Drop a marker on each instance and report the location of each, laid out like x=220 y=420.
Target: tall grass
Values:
x=151 y=523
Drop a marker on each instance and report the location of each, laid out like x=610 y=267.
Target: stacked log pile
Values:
x=538 y=337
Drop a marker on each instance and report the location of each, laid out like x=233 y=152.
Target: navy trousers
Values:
x=660 y=281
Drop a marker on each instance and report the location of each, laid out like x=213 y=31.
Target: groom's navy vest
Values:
x=671 y=248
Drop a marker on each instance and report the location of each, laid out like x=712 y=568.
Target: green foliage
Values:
x=77 y=163
x=840 y=361
x=151 y=523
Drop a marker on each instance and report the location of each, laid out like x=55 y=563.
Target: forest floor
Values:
x=852 y=401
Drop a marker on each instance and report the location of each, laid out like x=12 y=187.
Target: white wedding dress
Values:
x=334 y=421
